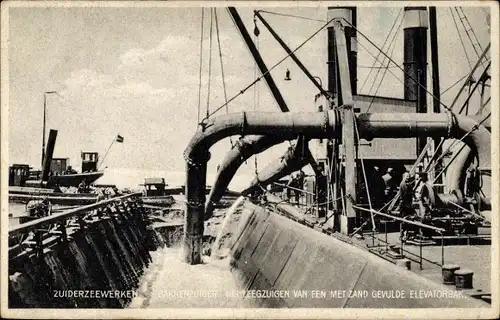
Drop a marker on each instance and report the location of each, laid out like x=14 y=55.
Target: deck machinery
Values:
x=414 y=163
x=353 y=140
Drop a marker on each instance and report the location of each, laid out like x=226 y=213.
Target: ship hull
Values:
x=73 y=180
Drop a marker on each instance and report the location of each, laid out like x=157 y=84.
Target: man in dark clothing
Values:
x=389 y=183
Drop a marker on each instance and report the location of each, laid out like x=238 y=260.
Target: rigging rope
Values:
x=469 y=29
x=386 y=68
x=385 y=41
x=379 y=67
x=383 y=63
x=460 y=36
x=290 y=15
x=409 y=76
x=479 y=62
x=373 y=56
x=471 y=91
x=453 y=144
x=201 y=63
x=273 y=67
x=209 y=63
x=364 y=172
x=222 y=68
x=255 y=89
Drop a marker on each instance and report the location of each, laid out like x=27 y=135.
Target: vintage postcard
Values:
x=249 y=159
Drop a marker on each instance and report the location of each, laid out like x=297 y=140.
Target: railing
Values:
x=415 y=223
x=100 y=247
x=301 y=202
x=41 y=233
x=63 y=216
x=300 y=198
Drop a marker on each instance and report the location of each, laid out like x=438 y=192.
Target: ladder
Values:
x=470 y=32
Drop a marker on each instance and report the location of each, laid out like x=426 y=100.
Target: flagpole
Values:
x=102 y=160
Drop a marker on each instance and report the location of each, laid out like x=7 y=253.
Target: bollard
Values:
x=405 y=263
x=448 y=272
x=463 y=279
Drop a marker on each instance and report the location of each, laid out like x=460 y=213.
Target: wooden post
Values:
x=347 y=221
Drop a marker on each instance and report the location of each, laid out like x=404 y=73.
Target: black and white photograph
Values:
x=249 y=159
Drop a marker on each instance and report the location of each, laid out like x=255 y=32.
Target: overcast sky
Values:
x=134 y=71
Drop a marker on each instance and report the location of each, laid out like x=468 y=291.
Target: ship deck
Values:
x=473 y=253
x=475 y=257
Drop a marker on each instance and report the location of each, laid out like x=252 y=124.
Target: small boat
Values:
x=155 y=193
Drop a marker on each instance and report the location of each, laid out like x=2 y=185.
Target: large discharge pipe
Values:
x=313 y=125
x=242 y=151
x=295 y=158
x=477 y=142
x=284 y=125
x=384 y=125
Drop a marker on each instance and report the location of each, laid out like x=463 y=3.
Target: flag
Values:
x=119 y=138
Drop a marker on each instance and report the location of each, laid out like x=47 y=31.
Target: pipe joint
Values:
x=244 y=123
x=452 y=127
x=195 y=205
x=331 y=123
x=197 y=160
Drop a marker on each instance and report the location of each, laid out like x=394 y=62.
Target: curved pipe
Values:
x=313 y=125
x=291 y=161
x=242 y=151
x=478 y=142
x=283 y=125
x=404 y=125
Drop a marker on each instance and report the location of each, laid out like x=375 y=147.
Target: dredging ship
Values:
x=388 y=208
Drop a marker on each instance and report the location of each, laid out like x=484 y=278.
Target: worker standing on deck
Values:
x=70 y=170
x=419 y=192
x=376 y=187
x=57 y=188
x=406 y=191
x=389 y=183
x=293 y=183
x=46 y=207
x=81 y=187
x=39 y=209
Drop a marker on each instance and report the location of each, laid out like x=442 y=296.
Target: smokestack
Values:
x=47 y=159
x=415 y=60
x=349 y=14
